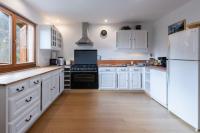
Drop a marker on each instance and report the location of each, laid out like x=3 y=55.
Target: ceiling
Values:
x=96 y=11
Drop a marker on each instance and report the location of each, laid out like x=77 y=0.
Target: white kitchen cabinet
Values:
x=62 y=81
x=107 y=78
x=50 y=38
x=124 y=39
x=158 y=86
x=50 y=88
x=122 y=78
x=22 y=101
x=55 y=86
x=140 y=39
x=135 y=75
x=146 y=80
x=46 y=91
x=132 y=39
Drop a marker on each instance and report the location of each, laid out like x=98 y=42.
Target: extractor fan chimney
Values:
x=85 y=39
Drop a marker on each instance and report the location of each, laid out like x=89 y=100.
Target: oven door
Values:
x=84 y=80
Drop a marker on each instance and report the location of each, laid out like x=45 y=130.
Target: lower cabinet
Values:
x=50 y=88
x=25 y=120
x=135 y=79
x=120 y=78
x=107 y=80
x=55 y=86
x=23 y=102
x=46 y=91
x=158 y=86
x=62 y=81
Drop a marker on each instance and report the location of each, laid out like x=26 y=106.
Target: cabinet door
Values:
x=61 y=81
x=135 y=80
x=124 y=39
x=158 y=85
x=107 y=80
x=55 y=87
x=122 y=80
x=46 y=93
x=140 y=39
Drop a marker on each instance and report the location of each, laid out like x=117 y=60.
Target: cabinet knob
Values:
x=28 y=100
x=27 y=120
x=20 y=90
x=36 y=82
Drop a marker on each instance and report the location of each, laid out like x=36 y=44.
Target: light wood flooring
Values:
x=107 y=112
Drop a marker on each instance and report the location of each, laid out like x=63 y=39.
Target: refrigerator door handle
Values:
x=168 y=81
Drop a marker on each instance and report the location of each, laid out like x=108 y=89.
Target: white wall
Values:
x=189 y=11
x=24 y=9
x=106 y=47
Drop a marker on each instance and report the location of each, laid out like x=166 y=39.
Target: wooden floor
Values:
x=107 y=112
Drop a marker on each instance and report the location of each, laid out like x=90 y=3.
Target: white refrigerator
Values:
x=183 y=76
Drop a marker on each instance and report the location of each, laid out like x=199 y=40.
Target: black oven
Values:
x=84 y=79
x=84 y=71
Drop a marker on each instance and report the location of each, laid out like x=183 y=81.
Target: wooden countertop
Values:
x=15 y=76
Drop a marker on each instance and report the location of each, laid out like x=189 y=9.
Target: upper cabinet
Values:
x=132 y=39
x=50 y=38
x=124 y=39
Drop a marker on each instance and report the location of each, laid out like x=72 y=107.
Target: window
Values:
x=17 y=41
x=24 y=42
x=5 y=38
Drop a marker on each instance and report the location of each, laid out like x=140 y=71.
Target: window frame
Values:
x=14 y=66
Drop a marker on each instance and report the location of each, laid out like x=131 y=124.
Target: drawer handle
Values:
x=28 y=100
x=53 y=88
x=36 y=82
x=27 y=120
x=20 y=90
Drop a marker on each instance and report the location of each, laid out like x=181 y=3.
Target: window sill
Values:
x=10 y=68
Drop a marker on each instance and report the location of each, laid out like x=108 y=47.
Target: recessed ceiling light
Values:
x=106 y=20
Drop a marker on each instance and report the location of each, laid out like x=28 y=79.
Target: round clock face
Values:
x=103 y=33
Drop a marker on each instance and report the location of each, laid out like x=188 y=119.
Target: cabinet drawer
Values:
x=17 y=88
x=35 y=81
x=107 y=69
x=19 y=104
x=122 y=69
x=21 y=124
x=135 y=69
x=46 y=76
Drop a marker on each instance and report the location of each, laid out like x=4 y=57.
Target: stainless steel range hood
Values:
x=85 y=39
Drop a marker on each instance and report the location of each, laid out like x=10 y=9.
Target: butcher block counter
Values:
x=12 y=77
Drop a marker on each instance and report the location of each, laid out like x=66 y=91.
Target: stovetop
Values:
x=84 y=67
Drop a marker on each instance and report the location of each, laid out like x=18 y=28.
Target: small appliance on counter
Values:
x=60 y=61
x=53 y=62
x=163 y=61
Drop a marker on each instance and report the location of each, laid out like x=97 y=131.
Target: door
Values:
x=46 y=93
x=61 y=81
x=183 y=90
x=122 y=80
x=184 y=45
x=135 y=80
x=84 y=80
x=140 y=39
x=158 y=83
x=124 y=39
x=107 y=80
x=55 y=87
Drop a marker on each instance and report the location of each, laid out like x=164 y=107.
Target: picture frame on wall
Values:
x=177 y=27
